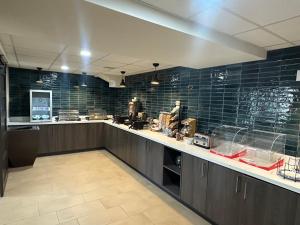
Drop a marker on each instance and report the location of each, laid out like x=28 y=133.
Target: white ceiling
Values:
x=270 y=24
x=49 y=34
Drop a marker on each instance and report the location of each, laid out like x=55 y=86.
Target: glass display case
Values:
x=265 y=149
x=40 y=105
x=229 y=141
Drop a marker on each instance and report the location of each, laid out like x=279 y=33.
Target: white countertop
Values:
x=267 y=176
x=51 y=123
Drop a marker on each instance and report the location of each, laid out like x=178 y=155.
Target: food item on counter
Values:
x=173 y=125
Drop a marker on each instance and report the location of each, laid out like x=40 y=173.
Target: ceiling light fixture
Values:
x=123 y=84
x=64 y=67
x=40 y=80
x=154 y=80
x=85 y=53
x=84 y=80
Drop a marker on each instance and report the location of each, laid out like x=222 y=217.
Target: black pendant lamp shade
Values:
x=40 y=80
x=84 y=80
x=154 y=80
x=123 y=84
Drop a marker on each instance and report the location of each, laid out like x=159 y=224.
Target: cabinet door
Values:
x=80 y=138
x=46 y=139
x=264 y=203
x=63 y=135
x=194 y=182
x=136 y=154
x=122 y=144
x=223 y=195
x=114 y=141
x=94 y=136
x=154 y=163
x=297 y=219
x=107 y=132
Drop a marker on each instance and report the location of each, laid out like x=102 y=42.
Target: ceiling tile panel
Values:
x=221 y=20
x=284 y=45
x=297 y=42
x=264 y=12
x=120 y=59
x=32 y=61
x=184 y=8
x=5 y=39
x=260 y=37
x=37 y=43
x=106 y=63
x=289 y=29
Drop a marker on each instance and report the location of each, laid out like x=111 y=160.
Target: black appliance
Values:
x=120 y=119
x=137 y=125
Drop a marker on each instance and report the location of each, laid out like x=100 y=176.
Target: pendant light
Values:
x=84 y=80
x=154 y=80
x=123 y=84
x=40 y=80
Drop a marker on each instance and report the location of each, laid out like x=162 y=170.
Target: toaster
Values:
x=202 y=140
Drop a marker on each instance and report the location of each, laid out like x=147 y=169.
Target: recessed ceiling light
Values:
x=85 y=53
x=64 y=67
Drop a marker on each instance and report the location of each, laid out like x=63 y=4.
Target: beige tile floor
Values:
x=91 y=188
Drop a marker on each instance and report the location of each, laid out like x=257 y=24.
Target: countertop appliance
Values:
x=68 y=115
x=93 y=115
x=120 y=119
x=137 y=125
x=202 y=140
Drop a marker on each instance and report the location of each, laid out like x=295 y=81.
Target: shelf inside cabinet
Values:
x=171 y=181
x=173 y=168
x=172 y=160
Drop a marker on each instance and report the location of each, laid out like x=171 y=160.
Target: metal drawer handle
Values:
x=237 y=184
x=245 y=191
x=203 y=170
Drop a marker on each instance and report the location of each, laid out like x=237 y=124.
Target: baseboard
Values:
x=69 y=152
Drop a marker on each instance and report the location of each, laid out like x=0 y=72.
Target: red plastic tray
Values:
x=271 y=167
x=236 y=155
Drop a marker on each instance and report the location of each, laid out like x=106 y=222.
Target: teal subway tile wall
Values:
x=67 y=92
x=262 y=94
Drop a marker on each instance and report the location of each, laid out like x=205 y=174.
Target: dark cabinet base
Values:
x=69 y=138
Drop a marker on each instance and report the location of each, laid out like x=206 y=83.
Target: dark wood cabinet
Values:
x=154 y=161
x=297 y=219
x=123 y=145
x=194 y=182
x=3 y=128
x=70 y=137
x=136 y=154
x=95 y=137
x=224 y=191
x=234 y=198
x=108 y=137
x=46 y=142
x=224 y=196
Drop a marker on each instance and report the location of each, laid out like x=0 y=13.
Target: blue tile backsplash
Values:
x=262 y=94
x=66 y=91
